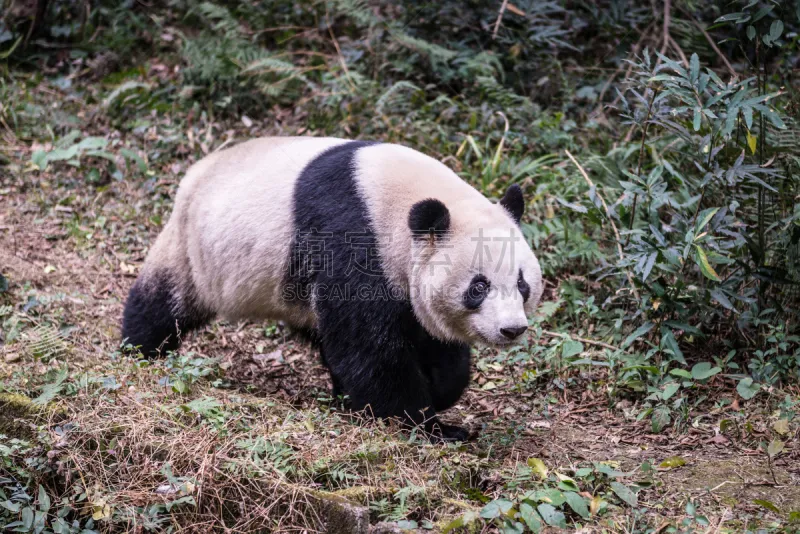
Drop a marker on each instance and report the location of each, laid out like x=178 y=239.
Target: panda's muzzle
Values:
x=513 y=332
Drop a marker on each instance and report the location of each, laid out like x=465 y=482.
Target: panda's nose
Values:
x=513 y=332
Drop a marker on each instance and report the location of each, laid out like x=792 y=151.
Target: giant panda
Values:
x=393 y=261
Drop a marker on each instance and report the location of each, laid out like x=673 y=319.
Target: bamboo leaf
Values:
x=705 y=267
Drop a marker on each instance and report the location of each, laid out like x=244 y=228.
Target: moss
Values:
x=17 y=413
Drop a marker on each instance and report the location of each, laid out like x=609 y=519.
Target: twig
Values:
x=664 y=31
x=665 y=28
x=641 y=155
x=499 y=19
x=582 y=340
x=713 y=44
x=610 y=219
x=678 y=49
x=339 y=53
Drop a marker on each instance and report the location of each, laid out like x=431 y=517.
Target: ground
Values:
x=237 y=428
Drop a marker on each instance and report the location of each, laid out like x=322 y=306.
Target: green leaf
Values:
x=767 y=504
x=624 y=493
x=720 y=297
x=731 y=17
x=39 y=158
x=566 y=483
x=496 y=508
x=794 y=517
x=513 y=527
x=462 y=521
x=694 y=68
x=550 y=496
x=682 y=373
x=551 y=516
x=751 y=33
x=27 y=518
x=135 y=158
x=670 y=390
x=639 y=332
x=703 y=218
x=44 y=500
x=668 y=341
x=538 y=467
x=775 y=447
x=705 y=267
x=530 y=517
x=672 y=462
x=697 y=121
x=747 y=389
x=583 y=472
x=660 y=419
x=577 y=503
x=704 y=371
x=571 y=348
x=180 y=387
x=775 y=29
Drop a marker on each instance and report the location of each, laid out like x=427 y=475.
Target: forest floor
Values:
x=238 y=424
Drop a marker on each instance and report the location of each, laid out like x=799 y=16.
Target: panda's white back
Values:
x=237 y=211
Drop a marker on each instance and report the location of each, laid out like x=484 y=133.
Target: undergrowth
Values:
x=661 y=173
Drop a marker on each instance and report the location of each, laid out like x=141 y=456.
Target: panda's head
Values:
x=474 y=279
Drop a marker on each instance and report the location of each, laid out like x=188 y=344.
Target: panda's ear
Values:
x=428 y=219
x=513 y=202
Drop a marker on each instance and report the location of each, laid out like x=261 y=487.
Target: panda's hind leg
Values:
x=156 y=315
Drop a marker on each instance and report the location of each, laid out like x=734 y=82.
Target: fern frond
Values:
x=45 y=341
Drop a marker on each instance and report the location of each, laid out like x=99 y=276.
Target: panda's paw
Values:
x=444 y=433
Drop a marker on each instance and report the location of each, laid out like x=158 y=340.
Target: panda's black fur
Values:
x=376 y=350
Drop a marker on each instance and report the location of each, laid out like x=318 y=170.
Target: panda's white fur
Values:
x=226 y=249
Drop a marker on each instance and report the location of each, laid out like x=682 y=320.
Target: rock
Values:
x=389 y=528
x=12 y=357
x=341 y=516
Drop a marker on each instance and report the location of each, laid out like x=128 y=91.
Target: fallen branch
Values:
x=582 y=340
x=610 y=219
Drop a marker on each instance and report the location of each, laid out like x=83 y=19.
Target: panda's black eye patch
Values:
x=524 y=288
x=476 y=292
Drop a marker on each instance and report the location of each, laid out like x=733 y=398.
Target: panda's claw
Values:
x=444 y=433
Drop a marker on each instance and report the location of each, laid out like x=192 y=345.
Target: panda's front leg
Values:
x=376 y=363
x=447 y=366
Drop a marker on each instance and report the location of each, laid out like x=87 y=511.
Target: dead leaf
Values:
x=781 y=426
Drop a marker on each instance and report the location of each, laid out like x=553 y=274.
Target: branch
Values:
x=714 y=46
x=582 y=340
x=665 y=31
x=610 y=219
x=499 y=19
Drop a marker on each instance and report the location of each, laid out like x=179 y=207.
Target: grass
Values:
x=590 y=424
